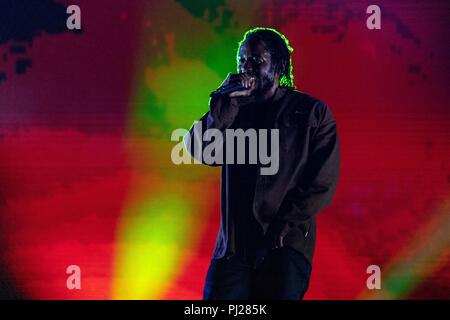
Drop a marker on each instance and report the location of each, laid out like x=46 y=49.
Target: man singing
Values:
x=266 y=240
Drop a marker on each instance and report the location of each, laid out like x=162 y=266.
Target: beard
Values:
x=265 y=83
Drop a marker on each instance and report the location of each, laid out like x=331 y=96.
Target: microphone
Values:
x=228 y=88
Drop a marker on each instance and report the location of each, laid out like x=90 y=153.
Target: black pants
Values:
x=282 y=274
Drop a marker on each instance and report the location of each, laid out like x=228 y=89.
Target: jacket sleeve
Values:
x=221 y=116
x=320 y=176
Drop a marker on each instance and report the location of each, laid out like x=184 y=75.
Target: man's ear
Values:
x=283 y=67
x=277 y=76
x=279 y=72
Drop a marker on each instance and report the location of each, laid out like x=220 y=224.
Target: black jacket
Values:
x=308 y=169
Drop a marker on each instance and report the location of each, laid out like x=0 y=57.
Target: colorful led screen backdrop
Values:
x=86 y=116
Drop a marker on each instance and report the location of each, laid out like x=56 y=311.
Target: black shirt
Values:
x=246 y=238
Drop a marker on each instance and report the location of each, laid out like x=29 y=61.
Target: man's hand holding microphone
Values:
x=237 y=85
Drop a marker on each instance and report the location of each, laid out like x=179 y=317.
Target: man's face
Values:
x=255 y=60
